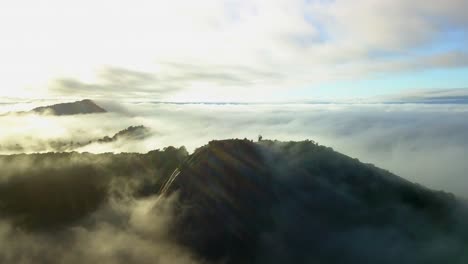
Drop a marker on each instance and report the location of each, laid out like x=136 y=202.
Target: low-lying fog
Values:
x=425 y=143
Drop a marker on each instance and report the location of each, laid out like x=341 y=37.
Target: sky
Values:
x=382 y=81
x=231 y=50
x=130 y=55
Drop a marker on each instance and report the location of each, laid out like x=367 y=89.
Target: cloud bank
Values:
x=425 y=143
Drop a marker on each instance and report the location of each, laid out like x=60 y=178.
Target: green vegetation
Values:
x=240 y=201
x=53 y=189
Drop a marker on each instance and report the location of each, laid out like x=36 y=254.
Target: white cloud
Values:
x=425 y=143
x=297 y=43
x=105 y=240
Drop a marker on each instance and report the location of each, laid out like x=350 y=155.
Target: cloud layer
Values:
x=233 y=201
x=134 y=231
x=425 y=143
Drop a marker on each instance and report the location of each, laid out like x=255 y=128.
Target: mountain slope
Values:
x=52 y=190
x=130 y=134
x=298 y=202
x=231 y=201
x=79 y=107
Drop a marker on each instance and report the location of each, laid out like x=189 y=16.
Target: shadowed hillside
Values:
x=131 y=133
x=79 y=107
x=298 y=202
x=55 y=189
x=231 y=201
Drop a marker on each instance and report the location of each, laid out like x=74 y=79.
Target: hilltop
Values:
x=74 y=108
x=236 y=201
x=299 y=202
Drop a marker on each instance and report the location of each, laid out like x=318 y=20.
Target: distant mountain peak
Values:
x=85 y=106
x=130 y=133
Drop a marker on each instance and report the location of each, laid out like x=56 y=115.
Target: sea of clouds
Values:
x=425 y=143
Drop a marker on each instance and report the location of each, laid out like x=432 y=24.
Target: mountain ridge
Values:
x=239 y=201
x=85 y=106
x=131 y=133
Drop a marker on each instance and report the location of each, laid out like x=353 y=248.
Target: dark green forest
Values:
x=54 y=189
x=233 y=201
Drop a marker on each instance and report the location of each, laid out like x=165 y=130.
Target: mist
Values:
x=424 y=143
x=120 y=231
x=85 y=208
x=311 y=201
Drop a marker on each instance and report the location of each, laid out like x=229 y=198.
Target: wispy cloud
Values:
x=226 y=49
x=423 y=142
